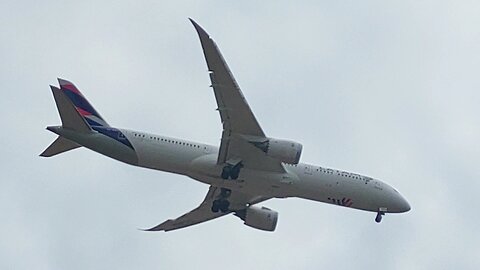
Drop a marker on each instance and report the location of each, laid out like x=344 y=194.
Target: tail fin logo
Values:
x=82 y=105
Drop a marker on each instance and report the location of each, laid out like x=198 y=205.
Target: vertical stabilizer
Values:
x=81 y=104
x=77 y=115
x=73 y=109
x=69 y=115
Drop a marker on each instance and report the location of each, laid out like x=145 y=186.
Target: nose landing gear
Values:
x=381 y=212
x=378 y=219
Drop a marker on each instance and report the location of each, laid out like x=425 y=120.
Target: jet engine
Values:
x=257 y=217
x=283 y=150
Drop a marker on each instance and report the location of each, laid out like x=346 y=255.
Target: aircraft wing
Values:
x=240 y=127
x=238 y=201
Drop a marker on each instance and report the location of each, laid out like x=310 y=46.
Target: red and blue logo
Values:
x=91 y=116
x=82 y=105
x=347 y=202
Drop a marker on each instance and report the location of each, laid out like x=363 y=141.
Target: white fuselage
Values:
x=199 y=161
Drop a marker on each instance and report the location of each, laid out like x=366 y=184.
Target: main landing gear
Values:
x=221 y=204
x=231 y=171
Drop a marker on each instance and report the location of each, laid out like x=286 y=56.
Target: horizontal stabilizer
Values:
x=60 y=145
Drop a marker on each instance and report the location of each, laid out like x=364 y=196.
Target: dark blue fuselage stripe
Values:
x=114 y=134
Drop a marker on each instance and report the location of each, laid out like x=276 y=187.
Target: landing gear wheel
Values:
x=225 y=193
x=224 y=204
x=215 y=206
x=378 y=219
x=230 y=171
x=234 y=173
x=220 y=205
x=226 y=172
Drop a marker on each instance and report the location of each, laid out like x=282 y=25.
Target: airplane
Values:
x=246 y=169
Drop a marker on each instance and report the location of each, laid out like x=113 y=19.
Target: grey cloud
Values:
x=384 y=89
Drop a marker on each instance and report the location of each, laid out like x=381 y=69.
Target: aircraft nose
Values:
x=402 y=204
x=405 y=206
x=394 y=201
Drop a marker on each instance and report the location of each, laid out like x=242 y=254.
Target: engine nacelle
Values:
x=283 y=150
x=261 y=218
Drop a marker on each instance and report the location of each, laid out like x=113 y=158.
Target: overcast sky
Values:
x=388 y=89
